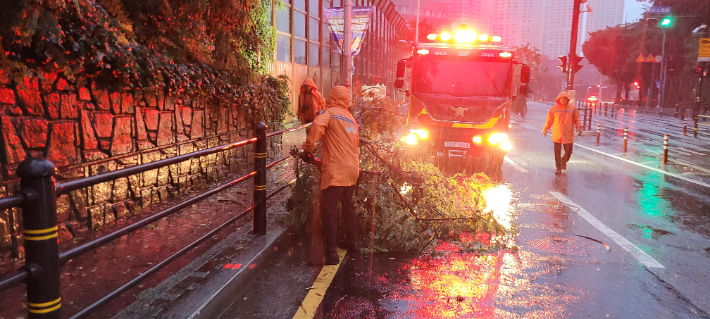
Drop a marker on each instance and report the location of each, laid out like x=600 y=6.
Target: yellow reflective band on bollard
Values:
x=41 y=234
x=53 y=305
x=260 y=155
x=260 y=187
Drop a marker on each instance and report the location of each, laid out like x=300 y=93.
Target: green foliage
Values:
x=415 y=206
x=217 y=49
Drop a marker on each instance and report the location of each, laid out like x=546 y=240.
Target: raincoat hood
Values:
x=562 y=94
x=309 y=82
x=339 y=97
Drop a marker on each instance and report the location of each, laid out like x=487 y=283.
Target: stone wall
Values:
x=86 y=131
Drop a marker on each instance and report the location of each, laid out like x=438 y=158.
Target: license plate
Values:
x=457 y=144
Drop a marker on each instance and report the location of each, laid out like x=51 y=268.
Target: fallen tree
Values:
x=405 y=203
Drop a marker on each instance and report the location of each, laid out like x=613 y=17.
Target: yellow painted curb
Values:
x=310 y=304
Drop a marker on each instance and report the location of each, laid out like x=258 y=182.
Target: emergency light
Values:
x=463 y=36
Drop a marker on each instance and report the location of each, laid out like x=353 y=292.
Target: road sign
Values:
x=659 y=59
x=640 y=58
x=360 y=20
x=650 y=58
x=704 y=50
x=660 y=10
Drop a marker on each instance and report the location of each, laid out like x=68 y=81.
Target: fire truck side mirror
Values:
x=401 y=66
x=525 y=74
x=399 y=83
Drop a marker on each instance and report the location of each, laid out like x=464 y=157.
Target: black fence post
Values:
x=39 y=218
x=260 y=180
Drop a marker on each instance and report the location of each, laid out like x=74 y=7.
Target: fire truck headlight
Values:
x=431 y=37
x=411 y=139
x=423 y=134
x=445 y=36
x=477 y=139
x=496 y=138
x=506 y=146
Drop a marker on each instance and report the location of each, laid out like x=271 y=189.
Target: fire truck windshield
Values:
x=457 y=77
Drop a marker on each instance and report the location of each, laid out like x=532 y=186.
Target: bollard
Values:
x=39 y=218
x=260 y=179
x=695 y=128
x=665 y=149
x=685 y=128
x=626 y=138
x=606 y=105
x=597 y=134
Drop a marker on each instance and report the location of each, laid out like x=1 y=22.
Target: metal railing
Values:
x=586 y=109
x=38 y=199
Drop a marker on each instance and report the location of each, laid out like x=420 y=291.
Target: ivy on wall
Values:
x=219 y=49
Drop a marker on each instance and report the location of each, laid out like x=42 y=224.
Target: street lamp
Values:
x=665 y=23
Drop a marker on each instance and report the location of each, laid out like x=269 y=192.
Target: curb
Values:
x=205 y=288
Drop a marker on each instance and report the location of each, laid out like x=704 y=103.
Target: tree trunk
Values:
x=618 y=90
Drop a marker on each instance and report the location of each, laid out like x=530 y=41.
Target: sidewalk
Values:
x=91 y=276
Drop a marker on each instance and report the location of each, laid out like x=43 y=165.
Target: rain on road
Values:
x=619 y=235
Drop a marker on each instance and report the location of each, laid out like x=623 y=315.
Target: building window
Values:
x=313 y=30
x=283 y=20
x=313 y=54
x=283 y=48
x=326 y=34
x=299 y=4
x=299 y=51
x=313 y=6
x=325 y=57
x=299 y=24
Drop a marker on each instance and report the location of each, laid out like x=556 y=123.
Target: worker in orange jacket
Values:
x=563 y=117
x=340 y=168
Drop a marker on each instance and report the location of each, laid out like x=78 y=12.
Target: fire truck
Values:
x=460 y=93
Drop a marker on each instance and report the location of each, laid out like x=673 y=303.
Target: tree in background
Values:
x=612 y=52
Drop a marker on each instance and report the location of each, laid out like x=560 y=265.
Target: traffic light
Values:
x=574 y=63
x=563 y=66
x=637 y=85
x=666 y=22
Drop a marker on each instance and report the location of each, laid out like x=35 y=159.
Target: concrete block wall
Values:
x=86 y=131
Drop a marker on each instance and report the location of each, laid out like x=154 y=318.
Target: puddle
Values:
x=650 y=232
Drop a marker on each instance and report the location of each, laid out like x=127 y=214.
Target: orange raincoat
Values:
x=562 y=119
x=310 y=102
x=340 y=164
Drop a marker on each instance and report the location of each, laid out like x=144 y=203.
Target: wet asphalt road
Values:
x=612 y=237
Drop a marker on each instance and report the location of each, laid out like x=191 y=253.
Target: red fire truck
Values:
x=460 y=93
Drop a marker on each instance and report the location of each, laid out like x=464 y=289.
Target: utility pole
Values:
x=346 y=71
x=573 y=45
x=663 y=70
x=416 y=32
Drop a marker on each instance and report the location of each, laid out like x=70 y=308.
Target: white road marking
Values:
x=647 y=167
x=518 y=167
x=529 y=126
x=690 y=151
x=639 y=254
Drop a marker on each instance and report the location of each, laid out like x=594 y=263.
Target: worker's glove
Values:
x=306 y=157
x=309 y=158
x=544 y=132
